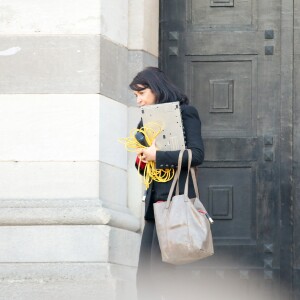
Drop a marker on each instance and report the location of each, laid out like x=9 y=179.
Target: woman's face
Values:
x=145 y=97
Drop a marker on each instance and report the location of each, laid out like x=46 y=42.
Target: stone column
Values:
x=69 y=204
x=143 y=52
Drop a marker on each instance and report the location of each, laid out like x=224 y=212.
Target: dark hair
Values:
x=162 y=87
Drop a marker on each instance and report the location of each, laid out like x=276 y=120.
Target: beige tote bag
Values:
x=182 y=224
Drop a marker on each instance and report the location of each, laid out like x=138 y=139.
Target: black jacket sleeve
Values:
x=193 y=140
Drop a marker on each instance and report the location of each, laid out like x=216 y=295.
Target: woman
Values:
x=155 y=279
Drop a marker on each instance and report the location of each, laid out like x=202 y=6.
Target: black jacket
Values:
x=169 y=159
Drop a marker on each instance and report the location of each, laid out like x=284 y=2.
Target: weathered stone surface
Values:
x=137 y=61
x=113 y=184
x=114 y=20
x=135 y=180
x=113 y=125
x=67 y=228
x=67 y=212
x=63 y=243
x=49 y=180
x=47 y=127
x=143 y=25
x=114 y=70
x=61 y=281
x=50 y=17
x=50 y=64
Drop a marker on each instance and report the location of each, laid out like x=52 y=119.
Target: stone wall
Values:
x=70 y=205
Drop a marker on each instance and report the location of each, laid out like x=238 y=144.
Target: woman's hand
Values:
x=147 y=154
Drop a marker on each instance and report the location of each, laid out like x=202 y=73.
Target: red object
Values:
x=142 y=165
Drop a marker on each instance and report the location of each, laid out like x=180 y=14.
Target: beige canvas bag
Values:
x=182 y=226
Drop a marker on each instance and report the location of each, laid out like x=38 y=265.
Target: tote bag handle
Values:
x=177 y=175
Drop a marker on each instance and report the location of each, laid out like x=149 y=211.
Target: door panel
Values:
x=220 y=13
x=226 y=57
x=229 y=198
x=225 y=88
x=296 y=204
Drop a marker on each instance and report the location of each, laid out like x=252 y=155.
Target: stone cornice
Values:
x=66 y=212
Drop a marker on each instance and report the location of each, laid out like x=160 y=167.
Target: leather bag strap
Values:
x=195 y=183
x=179 y=170
x=175 y=179
x=191 y=171
x=186 y=186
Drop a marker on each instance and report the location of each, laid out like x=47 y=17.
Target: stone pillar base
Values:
x=68 y=262
x=63 y=281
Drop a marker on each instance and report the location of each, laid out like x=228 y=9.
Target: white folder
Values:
x=168 y=116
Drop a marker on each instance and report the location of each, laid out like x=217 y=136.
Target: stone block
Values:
x=135 y=180
x=151 y=28
x=53 y=64
x=144 y=25
x=41 y=127
x=61 y=281
x=137 y=61
x=66 y=212
x=65 y=243
x=50 y=17
x=114 y=70
x=136 y=24
x=113 y=125
x=113 y=184
x=114 y=21
x=135 y=189
x=49 y=180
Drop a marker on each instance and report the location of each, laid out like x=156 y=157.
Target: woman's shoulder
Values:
x=187 y=109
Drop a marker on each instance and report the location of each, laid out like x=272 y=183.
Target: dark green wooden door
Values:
x=227 y=56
